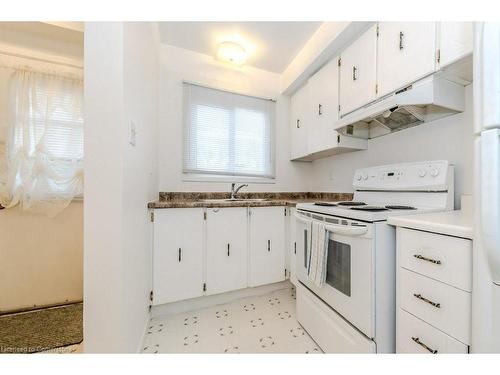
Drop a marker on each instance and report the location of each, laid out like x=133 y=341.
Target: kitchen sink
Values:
x=235 y=200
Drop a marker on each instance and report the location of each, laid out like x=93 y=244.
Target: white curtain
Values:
x=43 y=166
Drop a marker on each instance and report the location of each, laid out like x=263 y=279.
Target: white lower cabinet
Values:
x=206 y=251
x=416 y=336
x=226 y=249
x=433 y=292
x=267 y=245
x=177 y=254
x=292 y=245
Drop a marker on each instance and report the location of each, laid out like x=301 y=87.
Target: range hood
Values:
x=426 y=100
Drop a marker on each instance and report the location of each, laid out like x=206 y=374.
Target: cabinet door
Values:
x=455 y=41
x=177 y=254
x=358 y=72
x=226 y=249
x=299 y=123
x=292 y=246
x=267 y=245
x=406 y=53
x=324 y=103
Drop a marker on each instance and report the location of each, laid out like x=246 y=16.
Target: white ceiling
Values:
x=271 y=45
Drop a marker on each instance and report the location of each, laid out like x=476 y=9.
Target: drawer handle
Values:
x=417 y=340
x=421 y=257
x=419 y=296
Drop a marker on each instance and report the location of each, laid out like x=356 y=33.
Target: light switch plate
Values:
x=131 y=133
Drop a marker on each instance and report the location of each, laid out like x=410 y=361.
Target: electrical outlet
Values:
x=132 y=133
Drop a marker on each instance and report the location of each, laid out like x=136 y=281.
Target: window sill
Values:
x=225 y=179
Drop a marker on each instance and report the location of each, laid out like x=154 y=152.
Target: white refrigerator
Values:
x=486 y=258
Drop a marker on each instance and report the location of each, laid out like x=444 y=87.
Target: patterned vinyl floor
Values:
x=262 y=324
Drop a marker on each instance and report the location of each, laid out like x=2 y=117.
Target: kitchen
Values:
x=291 y=187
x=226 y=246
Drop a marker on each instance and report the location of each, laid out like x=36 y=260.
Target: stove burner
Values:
x=351 y=203
x=369 y=208
x=398 y=207
x=325 y=204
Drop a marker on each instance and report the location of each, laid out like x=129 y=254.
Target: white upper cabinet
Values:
x=455 y=41
x=358 y=72
x=267 y=245
x=226 y=249
x=324 y=102
x=177 y=254
x=298 y=123
x=406 y=53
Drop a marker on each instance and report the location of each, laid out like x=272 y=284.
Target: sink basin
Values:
x=235 y=200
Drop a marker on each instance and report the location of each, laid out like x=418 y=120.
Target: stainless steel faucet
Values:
x=235 y=191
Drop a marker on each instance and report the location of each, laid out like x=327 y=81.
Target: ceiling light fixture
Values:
x=232 y=53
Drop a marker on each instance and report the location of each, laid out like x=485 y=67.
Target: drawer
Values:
x=442 y=306
x=331 y=332
x=444 y=258
x=416 y=336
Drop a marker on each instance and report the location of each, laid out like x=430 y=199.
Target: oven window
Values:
x=338 y=273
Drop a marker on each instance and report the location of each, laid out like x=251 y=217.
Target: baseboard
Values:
x=209 y=301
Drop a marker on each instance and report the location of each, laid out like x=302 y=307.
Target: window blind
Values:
x=55 y=113
x=227 y=133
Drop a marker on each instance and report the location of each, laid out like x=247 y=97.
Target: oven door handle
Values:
x=347 y=230
x=337 y=229
x=302 y=218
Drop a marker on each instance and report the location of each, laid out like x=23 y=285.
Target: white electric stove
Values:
x=354 y=312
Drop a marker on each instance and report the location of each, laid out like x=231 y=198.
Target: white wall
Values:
x=449 y=138
x=120 y=85
x=176 y=65
x=41 y=258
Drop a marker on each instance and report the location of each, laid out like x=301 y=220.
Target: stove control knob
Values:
x=422 y=173
x=358 y=177
x=434 y=172
x=365 y=176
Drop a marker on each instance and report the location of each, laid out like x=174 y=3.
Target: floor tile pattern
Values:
x=262 y=324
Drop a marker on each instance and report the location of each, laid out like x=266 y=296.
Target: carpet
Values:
x=43 y=329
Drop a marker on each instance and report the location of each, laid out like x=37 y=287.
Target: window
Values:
x=43 y=168
x=54 y=115
x=227 y=134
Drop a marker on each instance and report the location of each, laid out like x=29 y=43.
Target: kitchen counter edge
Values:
x=452 y=223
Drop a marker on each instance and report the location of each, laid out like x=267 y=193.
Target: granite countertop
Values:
x=451 y=223
x=199 y=199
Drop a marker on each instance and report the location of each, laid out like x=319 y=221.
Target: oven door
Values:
x=350 y=278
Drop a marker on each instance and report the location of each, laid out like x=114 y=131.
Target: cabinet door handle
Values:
x=430 y=350
x=320 y=109
x=228 y=246
x=295 y=247
x=421 y=257
x=420 y=297
x=354 y=73
x=268 y=245
x=180 y=254
x=298 y=123
x=401 y=36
